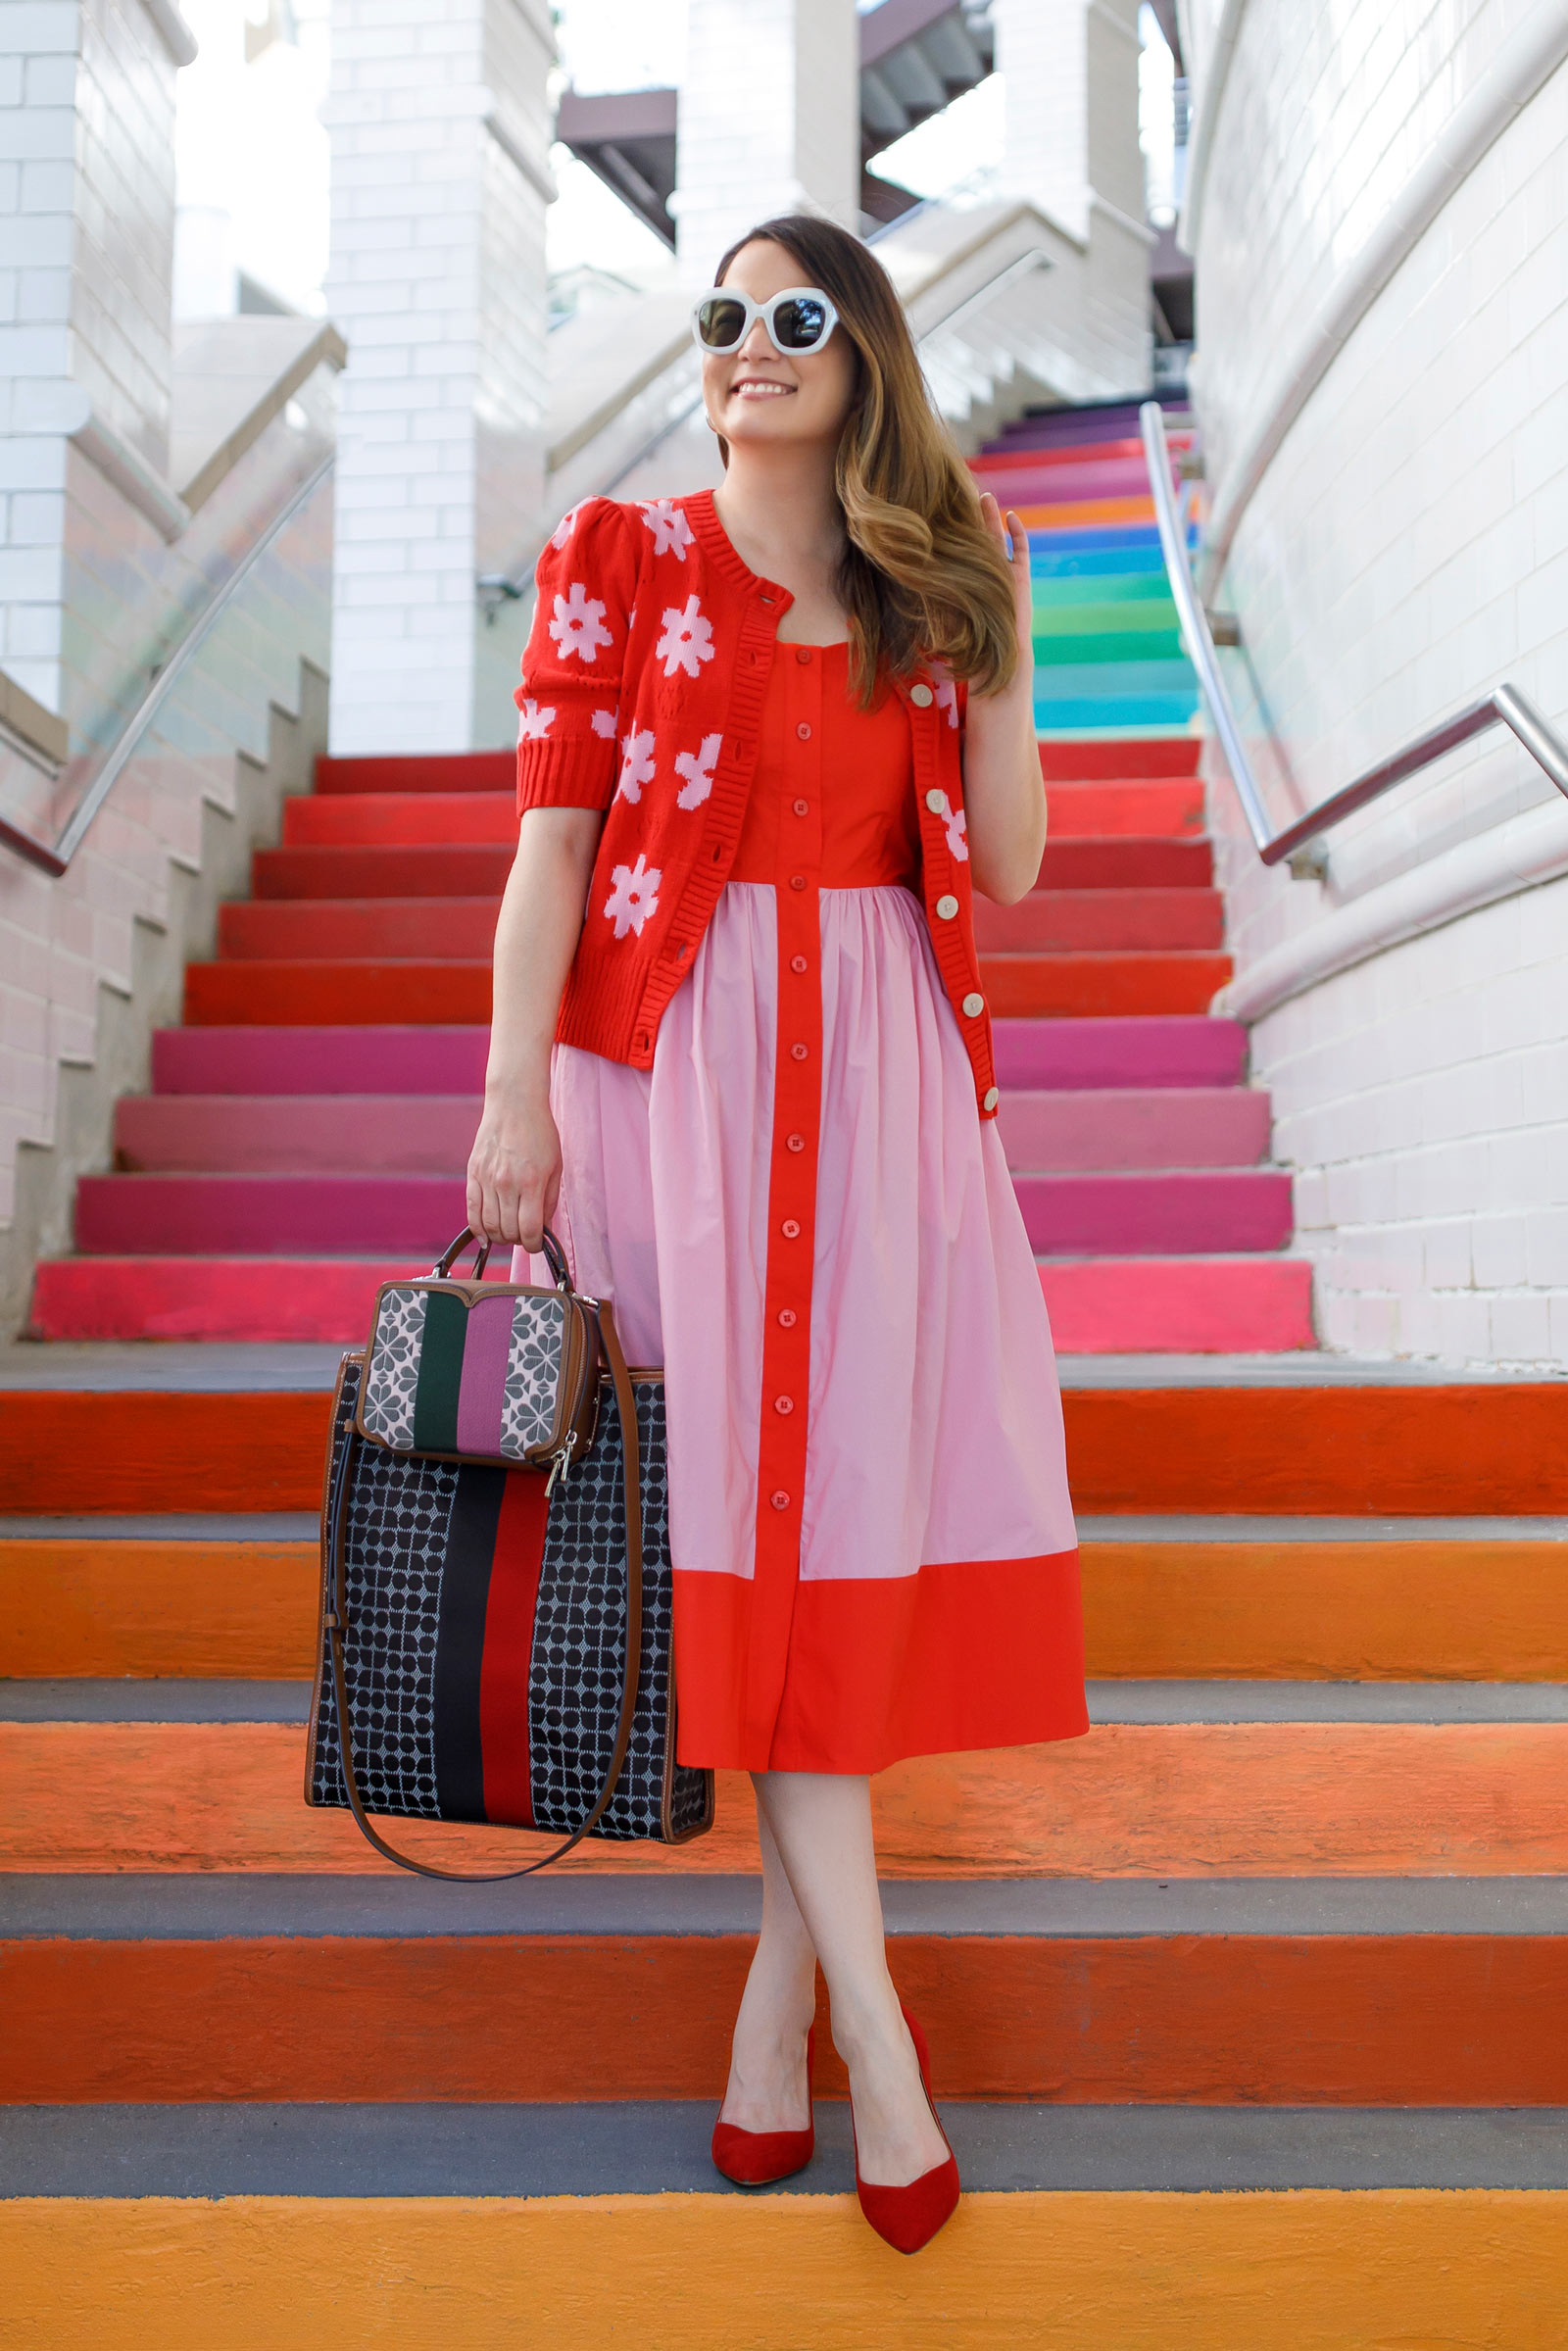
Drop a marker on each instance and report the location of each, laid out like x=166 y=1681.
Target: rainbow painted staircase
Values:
x=1244 y=2008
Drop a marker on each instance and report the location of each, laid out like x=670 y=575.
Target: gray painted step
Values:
x=150 y=1700
x=202 y=1907
x=642 y=2149
x=248 y=1526
x=179 y=1364
x=303 y=1526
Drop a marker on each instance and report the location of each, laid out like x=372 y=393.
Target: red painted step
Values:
x=396 y=869
x=1111 y=1127
x=1067 y=919
x=409 y=1134
x=453 y=929
x=411 y=816
x=421 y=771
x=1155 y=1211
x=1087 y=984
x=1171 y=806
x=324 y=993
x=1099 y=1305
x=1154 y=754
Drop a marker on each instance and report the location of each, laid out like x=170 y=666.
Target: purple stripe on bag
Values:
x=486 y=1344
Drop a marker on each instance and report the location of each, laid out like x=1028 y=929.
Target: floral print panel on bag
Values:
x=479 y=1380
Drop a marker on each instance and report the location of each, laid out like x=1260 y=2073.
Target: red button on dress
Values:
x=779 y=1499
x=800 y=1053
x=783 y=1404
x=795 y=1143
x=787 y=1317
x=803 y=808
x=798 y=964
x=791 y=1228
x=803 y=731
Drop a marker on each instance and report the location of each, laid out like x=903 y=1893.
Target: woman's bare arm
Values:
x=515 y=1166
x=1004 y=797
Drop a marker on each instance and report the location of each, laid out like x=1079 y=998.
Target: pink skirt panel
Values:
x=935 y=1424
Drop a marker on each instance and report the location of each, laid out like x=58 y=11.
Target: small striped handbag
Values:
x=496 y=1615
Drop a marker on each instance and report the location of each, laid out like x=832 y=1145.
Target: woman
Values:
x=742 y=1009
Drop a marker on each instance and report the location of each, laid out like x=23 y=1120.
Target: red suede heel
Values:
x=907 y=2217
x=757 y=2158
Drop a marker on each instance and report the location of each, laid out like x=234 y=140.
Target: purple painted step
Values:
x=267 y=1215
x=1155 y=1214
x=1176 y=1049
x=395 y=1059
x=268 y=1134
x=1158 y=1126
x=1117 y=421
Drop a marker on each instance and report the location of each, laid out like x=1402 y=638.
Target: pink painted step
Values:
x=235 y=1297
x=231 y=1215
x=1157 y=1126
x=392 y=1060
x=1063 y=920
x=395 y=1134
x=1178 y=1305
x=1022 y=483
x=372 y=927
x=1173 y=1048
x=1153 y=1212
x=408 y=816
x=1099 y=1305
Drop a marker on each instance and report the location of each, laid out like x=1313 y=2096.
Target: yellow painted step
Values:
x=1309 y=2270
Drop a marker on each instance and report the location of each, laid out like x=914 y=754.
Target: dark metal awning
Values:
x=916 y=55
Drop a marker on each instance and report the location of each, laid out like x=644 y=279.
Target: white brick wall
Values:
x=437 y=282
x=1407 y=550
x=769 y=120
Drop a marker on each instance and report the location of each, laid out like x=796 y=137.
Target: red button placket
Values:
x=791 y=1199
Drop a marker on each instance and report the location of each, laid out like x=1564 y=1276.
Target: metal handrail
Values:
x=1505 y=706
x=54 y=860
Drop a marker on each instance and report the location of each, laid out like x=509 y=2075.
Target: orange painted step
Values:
x=1102 y=985
x=1491 y=1448
x=1127 y=1800
x=1431 y=1609
x=1364 y=2020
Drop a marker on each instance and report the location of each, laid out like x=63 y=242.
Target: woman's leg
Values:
x=821 y=1828
x=767 y=2087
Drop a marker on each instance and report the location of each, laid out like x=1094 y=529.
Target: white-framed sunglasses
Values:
x=797 y=322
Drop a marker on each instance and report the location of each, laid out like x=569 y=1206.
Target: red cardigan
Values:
x=643 y=683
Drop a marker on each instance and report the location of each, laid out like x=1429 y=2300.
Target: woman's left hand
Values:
x=1000 y=524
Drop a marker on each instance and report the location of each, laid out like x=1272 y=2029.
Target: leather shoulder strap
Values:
x=337 y=1530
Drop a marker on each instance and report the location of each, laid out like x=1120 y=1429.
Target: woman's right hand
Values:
x=514 y=1169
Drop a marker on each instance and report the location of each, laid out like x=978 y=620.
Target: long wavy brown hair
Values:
x=921 y=579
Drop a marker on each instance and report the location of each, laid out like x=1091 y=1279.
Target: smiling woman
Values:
x=772 y=738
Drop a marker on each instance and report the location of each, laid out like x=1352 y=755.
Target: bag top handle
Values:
x=554 y=1257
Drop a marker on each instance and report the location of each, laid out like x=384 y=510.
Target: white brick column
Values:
x=440 y=130
x=86 y=238
x=1069 y=72
x=769 y=120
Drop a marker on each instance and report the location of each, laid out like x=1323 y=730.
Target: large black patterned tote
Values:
x=499 y=1642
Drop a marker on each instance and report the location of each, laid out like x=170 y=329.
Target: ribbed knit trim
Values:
x=565 y=775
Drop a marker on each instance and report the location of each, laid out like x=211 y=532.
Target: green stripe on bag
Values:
x=435 y=1400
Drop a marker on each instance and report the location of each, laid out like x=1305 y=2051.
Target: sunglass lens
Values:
x=720 y=323
x=800 y=323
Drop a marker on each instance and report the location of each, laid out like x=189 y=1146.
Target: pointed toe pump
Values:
x=758 y=2158
x=909 y=2217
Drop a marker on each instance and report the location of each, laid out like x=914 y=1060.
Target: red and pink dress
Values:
x=799 y=1212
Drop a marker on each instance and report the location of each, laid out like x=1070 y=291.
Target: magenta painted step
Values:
x=395 y=1059
x=408 y=816
x=460 y=928
x=1062 y=920
x=1153 y=1212
x=1157 y=1126
x=269 y=1134
x=256 y=1215
x=1099 y=1305
x=1178 y=1305
x=1025 y=484
x=1173 y=1048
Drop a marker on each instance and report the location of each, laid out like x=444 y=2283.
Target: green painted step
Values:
x=1093 y=617
x=1102 y=587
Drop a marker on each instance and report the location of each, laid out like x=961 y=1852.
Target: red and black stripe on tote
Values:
x=484 y=1643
